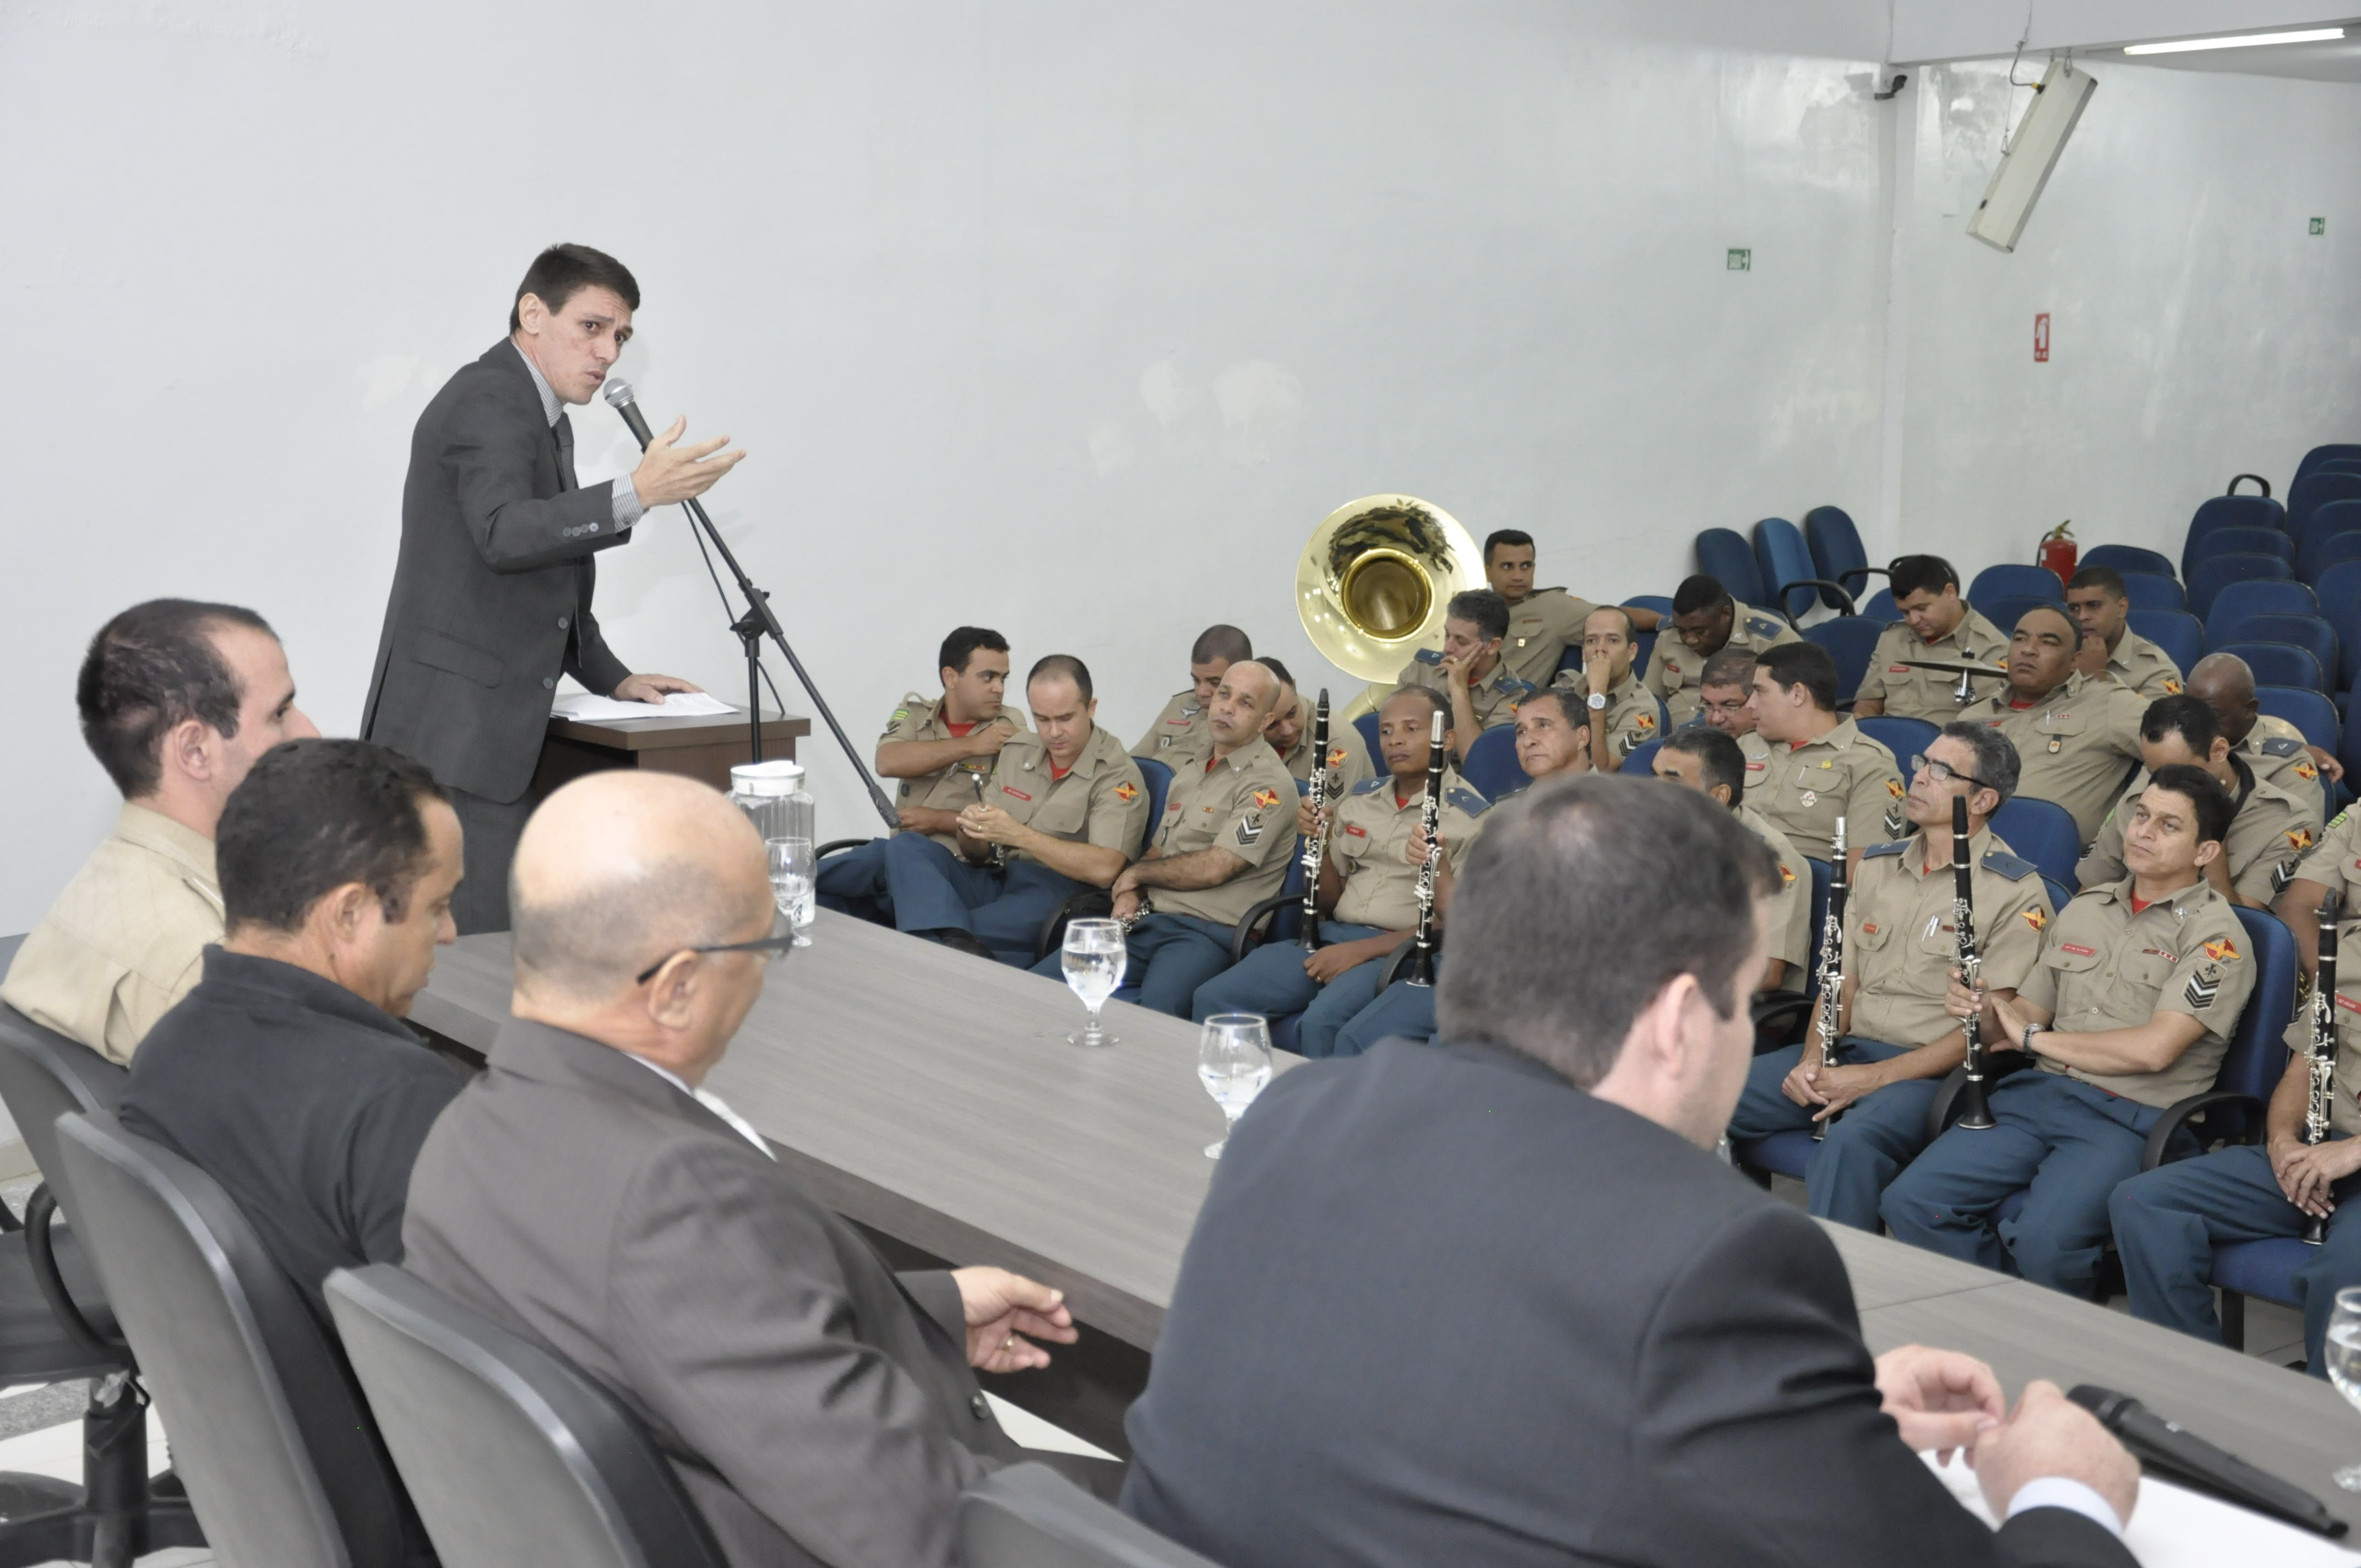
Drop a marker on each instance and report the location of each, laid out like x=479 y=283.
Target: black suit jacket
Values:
x=1441 y=1307
x=818 y=1408
x=491 y=593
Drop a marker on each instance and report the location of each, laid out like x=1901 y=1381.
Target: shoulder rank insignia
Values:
x=2034 y=918
x=1126 y=792
x=1369 y=786
x=2221 y=952
x=1264 y=799
x=1428 y=656
x=1893 y=847
x=1999 y=862
x=2203 y=987
x=1516 y=690
x=2280 y=746
x=1761 y=626
x=899 y=714
x=1467 y=801
x=1249 y=833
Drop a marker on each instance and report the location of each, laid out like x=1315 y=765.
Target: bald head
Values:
x=2224 y=682
x=1244 y=697
x=617 y=870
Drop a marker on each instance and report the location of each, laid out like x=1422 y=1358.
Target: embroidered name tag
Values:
x=1356 y=830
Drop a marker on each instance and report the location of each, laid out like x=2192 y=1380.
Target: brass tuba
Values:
x=1372 y=583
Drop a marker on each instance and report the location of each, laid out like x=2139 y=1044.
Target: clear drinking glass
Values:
x=791 y=882
x=1233 y=1063
x=1094 y=959
x=2343 y=1352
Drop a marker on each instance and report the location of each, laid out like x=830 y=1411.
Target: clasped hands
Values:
x=1950 y=1403
x=988 y=824
x=1829 y=1088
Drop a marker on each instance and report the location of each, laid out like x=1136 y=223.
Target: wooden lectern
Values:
x=703 y=746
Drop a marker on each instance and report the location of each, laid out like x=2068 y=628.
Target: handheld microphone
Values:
x=620 y=398
x=2172 y=1451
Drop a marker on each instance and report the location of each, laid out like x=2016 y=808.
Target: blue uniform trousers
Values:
x=931 y=889
x=1866 y=1147
x=2066 y=1142
x=1270 y=981
x=1400 y=1009
x=852 y=882
x=2169 y=1221
x=1168 y=956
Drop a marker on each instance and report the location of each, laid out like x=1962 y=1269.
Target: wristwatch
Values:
x=1597 y=701
x=2027 y=1042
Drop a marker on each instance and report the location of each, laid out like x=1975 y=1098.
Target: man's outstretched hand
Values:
x=1001 y=1309
x=651 y=688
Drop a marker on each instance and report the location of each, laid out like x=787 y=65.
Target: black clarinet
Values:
x=1315 y=846
x=1975 y=1106
x=1422 y=957
x=1831 y=976
x=2322 y=1056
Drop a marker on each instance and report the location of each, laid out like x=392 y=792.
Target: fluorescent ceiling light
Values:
x=2247 y=40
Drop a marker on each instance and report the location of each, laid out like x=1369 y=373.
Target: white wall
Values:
x=2197 y=329
x=1066 y=318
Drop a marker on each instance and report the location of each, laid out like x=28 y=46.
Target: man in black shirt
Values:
x=287 y=1074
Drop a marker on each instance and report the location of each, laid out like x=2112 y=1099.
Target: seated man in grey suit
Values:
x=1494 y=1301
x=588 y=1193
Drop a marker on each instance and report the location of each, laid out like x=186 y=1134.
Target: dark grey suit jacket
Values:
x=491 y=593
x=1443 y=1307
x=818 y=1406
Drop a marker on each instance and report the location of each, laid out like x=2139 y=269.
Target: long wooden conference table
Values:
x=933 y=1098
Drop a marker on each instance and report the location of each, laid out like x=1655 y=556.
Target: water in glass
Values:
x=1233 y=1063
x=2343 y=1353
x=791 y=882
x=1094 y=959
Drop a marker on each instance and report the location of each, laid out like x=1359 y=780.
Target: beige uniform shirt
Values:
x=2106 y=968
x=1182 y=723
x=946 y=789
x=1673 y=668
x=1348 y=760
x=2277 y=751
x=1901 y=941
x=2075 y=747
x=1791 y=906
x=1368 y=843
x=1494 y=698
x=1931 y=694
x=2145 y=667
x=1843 y=774
x=2335 y=864
x=1757 y=751
x=1541 y=626
x=2269 y=836
x=1101 y=801
x=126 y=939
x=1243 y=803
x=1629 y=715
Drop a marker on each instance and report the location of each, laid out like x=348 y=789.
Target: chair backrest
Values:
x=512 y=1454
x=44 y=1076
x=2005 y=611
x=2178 y=633
x=2332 y=452
x=2154 y=590
x=2339 y=591
x=2128 y=559
x=2210 y=576
x=2330 y=517
x=2010 y=580
x=2241 y=541
x=1491 y=765
x=1660 y=603
x=1028 y=1516
x=269 y=1432
x=1881 y=607
x=2316 y=490
x=2307 y=631
x=1906 y=738
x=1783 y=557
x=2309 y=711
x=1366 y=723
x=1643 y=759
x=1837 y=555
x=2279 y=663
x=1158 y=779
x=2041 y=831
x=2060 y=893
x=1724 y=555
x=1850 y=640
x=2322 y=549
x=2218 y=512
x=2262 y=596
x=2258 y=1051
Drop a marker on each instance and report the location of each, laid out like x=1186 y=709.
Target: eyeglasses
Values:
x=1943 y=773
x=769 y=947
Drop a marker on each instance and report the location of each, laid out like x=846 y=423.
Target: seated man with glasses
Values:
x=1898 y=1042
x=591 y=1194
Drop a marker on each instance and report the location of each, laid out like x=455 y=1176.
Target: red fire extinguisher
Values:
x=2058 y=551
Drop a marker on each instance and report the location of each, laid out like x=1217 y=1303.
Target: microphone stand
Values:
x=758 y=621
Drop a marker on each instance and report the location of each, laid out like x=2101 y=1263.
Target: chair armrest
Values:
x=1786 y=1005
x=1863 y=573
x=2179 y=1114
x=1837 y=589
x=833 y=845
x=41 y=1213
x=1398 y=960
x=1242 y=933
x=1078 y=906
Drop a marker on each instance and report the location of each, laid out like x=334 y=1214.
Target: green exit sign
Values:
x=2320 y=225
x=1742 y=260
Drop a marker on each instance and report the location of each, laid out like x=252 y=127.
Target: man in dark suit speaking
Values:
x=1493 y=1302
x=491 y=594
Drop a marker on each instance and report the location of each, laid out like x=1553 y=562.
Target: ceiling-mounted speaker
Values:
x=2024 y=171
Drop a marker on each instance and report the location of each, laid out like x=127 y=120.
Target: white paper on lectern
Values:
x=592 y=709
x=2173 y=1527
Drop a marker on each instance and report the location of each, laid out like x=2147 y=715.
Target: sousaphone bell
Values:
x=1372 y=583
